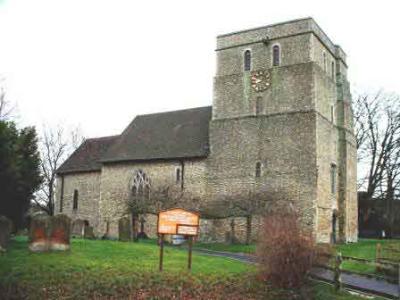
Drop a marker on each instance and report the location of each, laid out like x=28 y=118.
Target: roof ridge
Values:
x=173 y=111
x=103 y=137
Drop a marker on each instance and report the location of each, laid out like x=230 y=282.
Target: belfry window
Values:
x=276 y=55
x=258 y=169
x=247 y=60
x=75 y=200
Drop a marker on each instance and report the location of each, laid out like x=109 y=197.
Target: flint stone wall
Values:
x=88 y=186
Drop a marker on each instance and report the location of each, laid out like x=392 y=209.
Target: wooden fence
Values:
x=386 y=266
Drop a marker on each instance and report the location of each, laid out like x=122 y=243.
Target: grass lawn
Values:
x=365 y=248
x=117 y=270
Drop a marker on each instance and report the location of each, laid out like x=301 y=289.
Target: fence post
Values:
x=337 y=275
x=378 y=255
x=398 y=283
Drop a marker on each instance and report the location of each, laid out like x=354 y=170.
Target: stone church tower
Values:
x=282 y=111
x=280 y=129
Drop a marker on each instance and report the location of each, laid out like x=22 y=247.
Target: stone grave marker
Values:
x=78 y=228
x=5 y=231
x=49 y=233
x=89 y=234
x=125 y=229
x=59 y=232
x=38 y=241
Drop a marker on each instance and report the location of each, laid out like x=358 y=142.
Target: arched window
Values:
x=276 y=55
x=247 y=60
x=140 y=186
x=258 y=169
x=333 y=69
x=75 y=200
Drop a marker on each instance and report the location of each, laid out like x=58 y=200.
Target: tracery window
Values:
x=140 y=185
x=247 y=60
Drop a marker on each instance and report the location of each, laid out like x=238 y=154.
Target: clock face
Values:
x=260 y=80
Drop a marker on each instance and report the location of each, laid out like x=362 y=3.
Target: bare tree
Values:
x=56 y=144
x=377 y=128
x=6 y=109
x=377 y=123
x=146 y=201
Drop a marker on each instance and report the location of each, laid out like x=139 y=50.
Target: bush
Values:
x=286 y=251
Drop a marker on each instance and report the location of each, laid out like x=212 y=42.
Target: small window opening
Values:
x=259 y=106
x=333 y=70
x=247 y=60
x=333 y=178
x=75 y=200
x=332 y=113
x=178 y=175
x=258 y=169
x=276 y=55
x=324 y=61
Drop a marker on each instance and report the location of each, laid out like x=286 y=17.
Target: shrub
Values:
x=285 y=250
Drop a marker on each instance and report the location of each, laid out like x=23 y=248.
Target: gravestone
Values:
x=38 y=241
x=49 y=233
x=125 y=229
x=78 y=228
x=89 y=234
x=5 y=231
x=59 y=232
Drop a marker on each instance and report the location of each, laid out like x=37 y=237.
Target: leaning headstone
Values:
x=5 y=231
x=78 y=228
x=124 y=229
x=89 y=234
x=38 y=241
x=59 y=233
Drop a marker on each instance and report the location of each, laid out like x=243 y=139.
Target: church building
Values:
x=280 y=127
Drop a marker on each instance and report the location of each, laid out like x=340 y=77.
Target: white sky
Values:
x=98 y=63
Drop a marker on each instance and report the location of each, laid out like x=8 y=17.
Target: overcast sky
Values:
x=97 y=63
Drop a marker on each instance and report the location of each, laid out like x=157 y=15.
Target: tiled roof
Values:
x=175 y=134
x=169 y=135
x=87 y=156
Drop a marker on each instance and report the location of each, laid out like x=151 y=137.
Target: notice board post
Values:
x=181 y=222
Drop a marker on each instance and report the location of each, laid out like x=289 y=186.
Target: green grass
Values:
x=100 y=256
x=365 y=248
x=119 y=270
